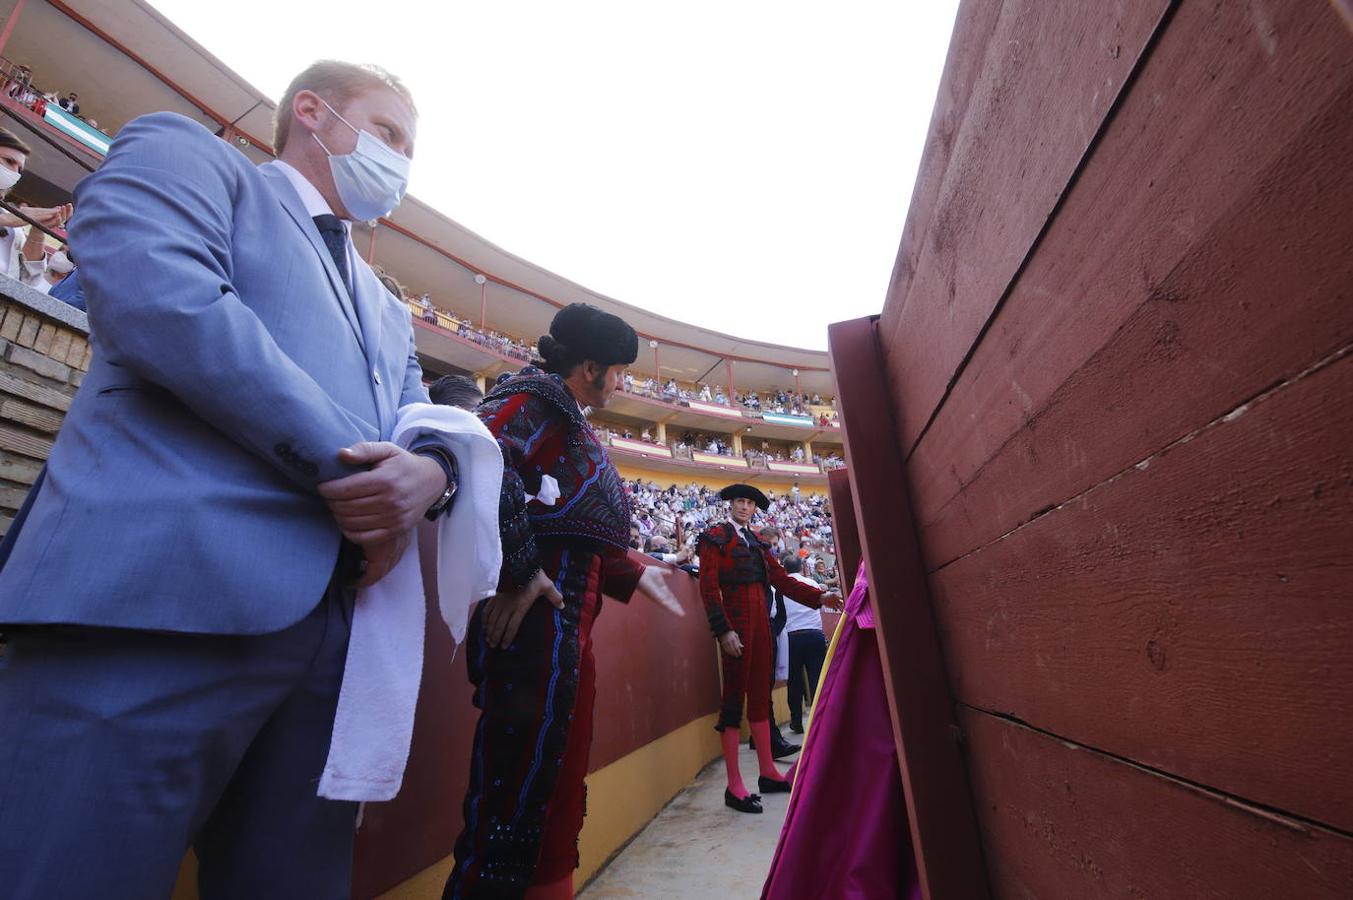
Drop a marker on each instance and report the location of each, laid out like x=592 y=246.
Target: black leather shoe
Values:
x=782 y=748
x=771 y=786
x=749 y=804
x=796 y=727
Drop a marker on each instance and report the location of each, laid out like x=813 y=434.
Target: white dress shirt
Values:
x=800 y=617
x=313 y=201
x=29 y=271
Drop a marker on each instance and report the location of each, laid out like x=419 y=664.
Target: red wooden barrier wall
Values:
x=655 y=673
x=1118 y=347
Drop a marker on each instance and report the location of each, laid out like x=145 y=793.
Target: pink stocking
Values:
x=761 y=731
x=730 y=739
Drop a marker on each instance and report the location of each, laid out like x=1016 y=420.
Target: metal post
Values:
x=371 y=246
x=483 y=302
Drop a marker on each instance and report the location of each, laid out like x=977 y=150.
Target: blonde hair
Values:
x=337 y=82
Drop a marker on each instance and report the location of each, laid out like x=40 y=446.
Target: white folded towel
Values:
x=373 y=724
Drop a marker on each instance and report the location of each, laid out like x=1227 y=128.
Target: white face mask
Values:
x=60 y=263
x=372 y=179
x=8 y=178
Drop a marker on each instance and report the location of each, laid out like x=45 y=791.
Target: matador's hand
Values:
x=504 y=613
x=731 y=644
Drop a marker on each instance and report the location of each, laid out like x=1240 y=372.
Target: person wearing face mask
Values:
x=23 y=256
x=59 y=266
x=228 y=454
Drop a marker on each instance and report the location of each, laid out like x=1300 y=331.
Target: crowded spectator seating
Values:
x=670 y=519
x=821 y=410
x=19 y=86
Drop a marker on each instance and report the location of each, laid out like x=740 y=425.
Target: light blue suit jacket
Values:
x=229 y=368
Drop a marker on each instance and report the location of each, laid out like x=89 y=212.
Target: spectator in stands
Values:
x=821 y=575
x=390 y=284
x=660 y=549
x=59 y=265
x=70 y=104
x=20 y=79
x=69 y=290
x=456 y=390
x=23 y=254
x=213 y=629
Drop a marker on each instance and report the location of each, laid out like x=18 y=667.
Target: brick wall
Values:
x=44 y=354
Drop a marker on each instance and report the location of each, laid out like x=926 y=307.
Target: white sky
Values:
x=745 y=166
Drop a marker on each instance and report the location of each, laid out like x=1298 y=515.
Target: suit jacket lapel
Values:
x=292 y=204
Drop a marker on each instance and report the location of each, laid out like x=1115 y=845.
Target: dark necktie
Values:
x=336 y=239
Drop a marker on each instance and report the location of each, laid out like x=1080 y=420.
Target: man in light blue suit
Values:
x=177 y=600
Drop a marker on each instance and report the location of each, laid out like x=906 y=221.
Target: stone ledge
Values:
x=48 y=307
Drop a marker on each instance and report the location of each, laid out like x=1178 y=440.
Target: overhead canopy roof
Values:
x=125 y=59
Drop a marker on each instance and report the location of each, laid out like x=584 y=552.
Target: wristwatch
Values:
x=439 y=507
x=448 y=463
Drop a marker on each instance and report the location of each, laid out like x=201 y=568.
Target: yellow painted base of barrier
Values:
x=622 y=798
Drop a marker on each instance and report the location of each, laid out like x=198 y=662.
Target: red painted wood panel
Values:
x=655 y=673
x=845 y=528
x=944 y=837
x=1050 y=74
x=1193 y=614
x=1060 y=821
x=974 y=26
x=1202 y=255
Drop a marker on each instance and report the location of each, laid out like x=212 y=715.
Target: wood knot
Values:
x=1155 y=652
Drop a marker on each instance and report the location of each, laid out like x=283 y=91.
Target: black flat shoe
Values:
x=771 y=786
x=796 y=727
x=749 y=804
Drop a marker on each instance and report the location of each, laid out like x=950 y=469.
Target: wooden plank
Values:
x=16 y=441
x=20 y=470
x=1192 y=614
x=1063 y=821
x=1228 y=273
x=944 y=833
x=1050 y=76
x=974 y=26
x=12 y=498
x=30 y=415
x=38 y=393
x=845 y=529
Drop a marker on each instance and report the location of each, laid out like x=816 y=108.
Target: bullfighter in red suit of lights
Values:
x=564 y=518
x=737 y=571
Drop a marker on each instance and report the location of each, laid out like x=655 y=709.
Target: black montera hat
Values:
x=746 y=491
x=580 y=331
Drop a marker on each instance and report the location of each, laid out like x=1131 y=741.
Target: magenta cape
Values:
x=845 y=834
